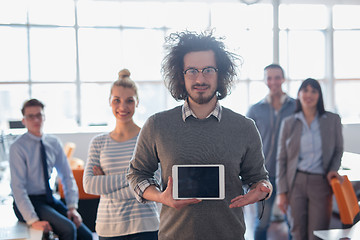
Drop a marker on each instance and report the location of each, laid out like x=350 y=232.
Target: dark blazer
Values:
x=289 y=147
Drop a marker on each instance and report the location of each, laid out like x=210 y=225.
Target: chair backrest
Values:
x=346 y=200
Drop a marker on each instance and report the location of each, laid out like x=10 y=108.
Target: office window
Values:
x=52 y=54
x=347 y=54
x=348 y=99
x=304 y=54
x=99 y=54
x=303 y=16
x=143 y=58
x=95 y=110
x=60 y=107
x=346 y=17
x=67 y=53
x=347 y=60
x=152 y=98
x=237 y=98
x=11 y=100
x=248 y=32
x=51 y=12
x=13 y=54
x=13 y=11
x=99 y=13
x=302 y=44
x=193 y=16
x=143 y=14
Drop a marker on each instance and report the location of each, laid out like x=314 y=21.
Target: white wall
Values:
x=351 y=134
x=82 y=141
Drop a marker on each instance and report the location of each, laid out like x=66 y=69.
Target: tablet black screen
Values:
x=198 y=182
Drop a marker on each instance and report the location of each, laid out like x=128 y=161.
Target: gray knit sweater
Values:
x=233 y=142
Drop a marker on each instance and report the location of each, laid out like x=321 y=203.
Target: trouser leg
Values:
x=298 y=208
x=82 y=232
x=61 y=225
x=320 y=204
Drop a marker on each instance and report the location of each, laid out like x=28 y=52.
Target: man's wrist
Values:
x=266 y=197
x=30 y=222
x=72 y=206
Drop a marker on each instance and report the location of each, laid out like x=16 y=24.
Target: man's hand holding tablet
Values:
x=166 y=197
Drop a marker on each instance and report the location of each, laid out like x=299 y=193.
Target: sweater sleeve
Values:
x=144 y=163
x=252 y=167
x=102 y=184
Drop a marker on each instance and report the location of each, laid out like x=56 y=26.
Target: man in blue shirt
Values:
x=33 y=200
x=268 y=114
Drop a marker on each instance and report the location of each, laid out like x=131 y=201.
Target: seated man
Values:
x=33 y=156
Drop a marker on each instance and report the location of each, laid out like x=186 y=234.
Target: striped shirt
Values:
x=119 y=213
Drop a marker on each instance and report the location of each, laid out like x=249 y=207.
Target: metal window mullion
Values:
x=329 y=61
x=28 y=52
x=77 y=81
x=276 y=31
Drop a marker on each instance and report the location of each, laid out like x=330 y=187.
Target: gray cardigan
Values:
x=289 y=147
x=233 y=142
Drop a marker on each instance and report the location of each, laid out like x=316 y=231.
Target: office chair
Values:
x=346 y=200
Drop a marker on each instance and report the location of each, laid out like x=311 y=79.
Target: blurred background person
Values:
x=120 y=215
x=33 y=156
x=309 y=155
x=268 y=114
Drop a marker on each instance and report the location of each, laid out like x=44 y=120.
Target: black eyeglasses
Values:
x=193 y=73
x=32 y=117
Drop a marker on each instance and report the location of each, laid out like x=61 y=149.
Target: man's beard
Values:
x=202 y=99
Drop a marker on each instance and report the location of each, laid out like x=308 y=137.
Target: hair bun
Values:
x=124 y=73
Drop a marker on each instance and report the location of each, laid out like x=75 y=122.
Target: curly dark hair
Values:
x=179 y=44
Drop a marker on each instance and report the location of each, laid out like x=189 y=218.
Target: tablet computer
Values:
x=199 y=181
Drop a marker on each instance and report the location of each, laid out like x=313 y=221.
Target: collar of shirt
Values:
x=301 y=117
x=35 y=137
x=187 y=112
x=283 y=98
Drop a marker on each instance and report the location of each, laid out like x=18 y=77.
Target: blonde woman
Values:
x=120 y=215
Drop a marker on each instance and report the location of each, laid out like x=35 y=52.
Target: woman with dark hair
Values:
x=309 y=155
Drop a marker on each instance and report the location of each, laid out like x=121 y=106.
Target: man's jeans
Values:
x=56 y=214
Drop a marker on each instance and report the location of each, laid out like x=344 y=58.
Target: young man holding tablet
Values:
x=200 y=71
